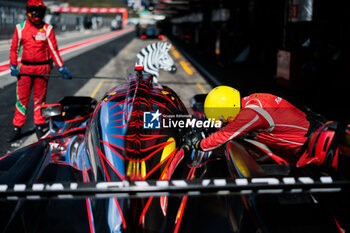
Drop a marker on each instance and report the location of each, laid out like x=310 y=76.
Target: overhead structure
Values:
x=93 y=10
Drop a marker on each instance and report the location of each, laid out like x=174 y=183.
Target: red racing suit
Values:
x=278 y=124
x=33 y=46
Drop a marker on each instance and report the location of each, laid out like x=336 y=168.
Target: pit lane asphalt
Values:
x=112 y=59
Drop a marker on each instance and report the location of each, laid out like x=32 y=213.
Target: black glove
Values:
x=197 y=139
x=187 y=141
x=192 y=140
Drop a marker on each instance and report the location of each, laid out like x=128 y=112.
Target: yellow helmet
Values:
x=222 y=103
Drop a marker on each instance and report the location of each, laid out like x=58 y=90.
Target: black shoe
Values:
x=39 y=130
x=15 y=134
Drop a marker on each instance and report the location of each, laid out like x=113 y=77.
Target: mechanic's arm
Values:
x=246 y=121
x=14 y=48
x=14 y=53
x=54 y=53
x=53 y=50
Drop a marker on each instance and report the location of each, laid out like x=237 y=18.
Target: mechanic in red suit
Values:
x=275 y=122
x=33 y=44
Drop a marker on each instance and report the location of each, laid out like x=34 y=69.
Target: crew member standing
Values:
x=33 y=44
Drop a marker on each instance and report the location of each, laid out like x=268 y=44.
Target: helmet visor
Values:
x=36 y=11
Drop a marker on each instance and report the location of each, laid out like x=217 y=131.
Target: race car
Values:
x=55 y=185
x=150 y=31
x=92 y=142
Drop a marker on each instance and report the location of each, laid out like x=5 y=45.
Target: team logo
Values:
x=40 y=36
x=151 y=120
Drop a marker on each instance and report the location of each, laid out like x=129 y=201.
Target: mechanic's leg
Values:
x=22 y=98
x=39 y=96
